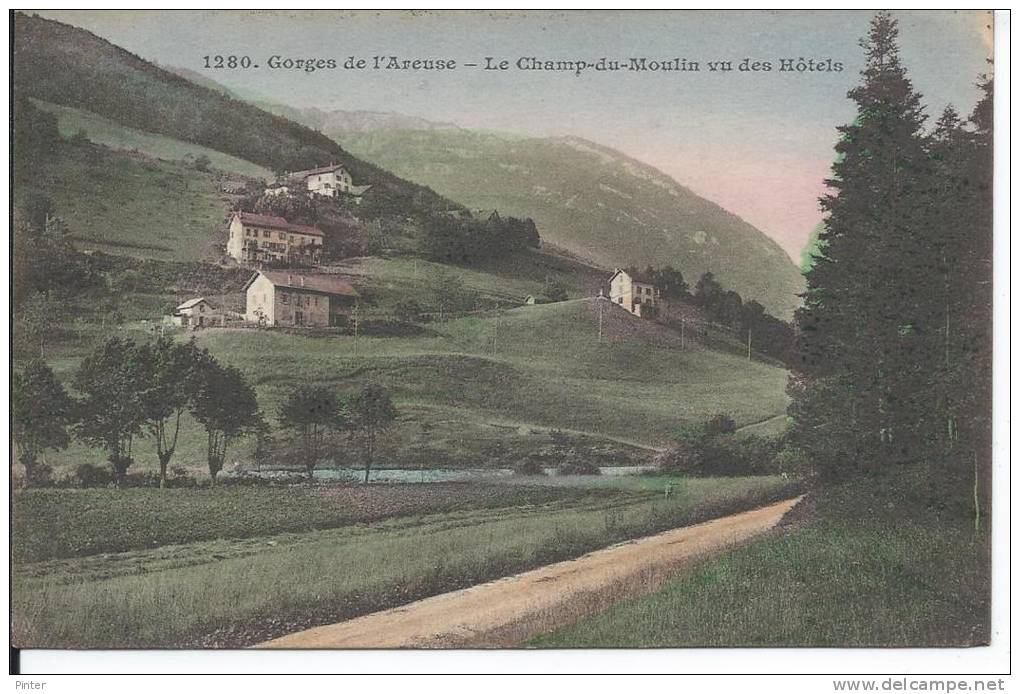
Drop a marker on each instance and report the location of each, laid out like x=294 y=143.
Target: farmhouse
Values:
x=196 y=313
x=257 y=238
x=283 y=298
x=632 y=292
x=329 y=181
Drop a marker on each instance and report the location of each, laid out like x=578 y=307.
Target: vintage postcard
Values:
x=501 y=330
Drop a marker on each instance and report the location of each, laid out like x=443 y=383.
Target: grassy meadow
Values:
x=104 y=131
x=231 y=592
x=629 y=393
x=130 y=204
x=861 y=564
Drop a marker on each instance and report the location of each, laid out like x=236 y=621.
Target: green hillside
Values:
x=71 y=67
x=116 y=136
x=548 y=372
x=593 y=201
x=128 y=204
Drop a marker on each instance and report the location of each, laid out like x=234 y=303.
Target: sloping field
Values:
x=114 y=135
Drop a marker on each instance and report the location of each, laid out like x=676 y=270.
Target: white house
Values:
x=329 y=181
x=632 y=292
x=196 y=313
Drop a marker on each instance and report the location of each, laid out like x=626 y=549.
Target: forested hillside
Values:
x=68 y=66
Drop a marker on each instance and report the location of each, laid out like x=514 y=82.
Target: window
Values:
x=284 y=298
x=265 y=233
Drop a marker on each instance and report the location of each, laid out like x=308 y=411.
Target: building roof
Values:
x=191 y=303
x=262 y=220
x=358 y=190
x=320 y=170
x=638 y=277
x=334 y=285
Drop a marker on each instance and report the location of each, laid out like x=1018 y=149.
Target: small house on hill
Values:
x=283 y=298
x=196 y=313
x=259 y=238
x=633 y=292
x=329 y=181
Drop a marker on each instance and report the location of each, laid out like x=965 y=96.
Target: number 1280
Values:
x=227 y=61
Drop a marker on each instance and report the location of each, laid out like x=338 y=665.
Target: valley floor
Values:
x=261 y=575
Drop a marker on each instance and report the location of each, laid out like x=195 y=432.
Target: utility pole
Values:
x=748 y=344
x=683 y=324
x=356 y=316
x=601 y=301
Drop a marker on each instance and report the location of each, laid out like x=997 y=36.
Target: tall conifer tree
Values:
x=866 y=298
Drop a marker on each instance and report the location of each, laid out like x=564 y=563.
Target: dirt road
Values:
x=513 y=609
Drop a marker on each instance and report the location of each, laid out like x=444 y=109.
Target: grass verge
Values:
x=861 y=565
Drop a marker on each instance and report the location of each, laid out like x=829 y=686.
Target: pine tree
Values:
x=865 y=302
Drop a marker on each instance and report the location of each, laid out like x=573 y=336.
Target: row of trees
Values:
x=127 y=390
x=894 y=344
x=312 y=412
x=772 y=336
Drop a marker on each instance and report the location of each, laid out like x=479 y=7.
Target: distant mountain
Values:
x=68 y=66
x=591 y=200
x=355 y=121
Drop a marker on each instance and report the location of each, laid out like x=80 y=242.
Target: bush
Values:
x=682 y=458
x=88 y=475
x=720 y=424
x=178 y=477
x=135 y=480
x=578 y=468
x=407 y=310
x=702 y=453
x=793 y=461
x=201 y=163
x=528 y=466
x=40 y=475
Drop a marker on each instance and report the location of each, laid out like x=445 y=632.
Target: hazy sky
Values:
x=759 y=144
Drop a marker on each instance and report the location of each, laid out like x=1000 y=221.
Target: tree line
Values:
x=771 y=336
x=464 y=241
x=127 y=390
x=894 y=337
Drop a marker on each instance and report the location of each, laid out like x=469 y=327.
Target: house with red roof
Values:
x=258 y=238
x=290 y=298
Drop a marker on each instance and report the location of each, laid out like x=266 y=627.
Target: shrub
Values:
x=87 y=475
x=720 y=424
x=793 y=461
x=407 y=310
x=682 y=458
x=528 y=466
x=201 y=163
x=39 y=475
x=180 y=478
x=578 y=468
x=147 y=478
